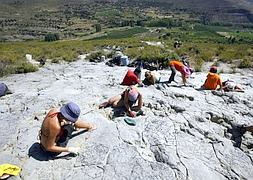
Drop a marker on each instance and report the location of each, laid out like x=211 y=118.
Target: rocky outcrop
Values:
x=185 y=133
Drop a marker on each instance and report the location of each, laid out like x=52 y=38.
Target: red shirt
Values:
x=130 y=78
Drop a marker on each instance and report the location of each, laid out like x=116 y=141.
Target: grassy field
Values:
x=124 y=33
x=199 y=43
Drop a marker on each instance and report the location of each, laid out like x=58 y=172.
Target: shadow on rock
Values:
x=237 y=133
x=121 y=112
x=37 y=152
x=118 y=112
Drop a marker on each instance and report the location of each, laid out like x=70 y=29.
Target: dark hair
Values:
x=213 y=69
x=137 y=70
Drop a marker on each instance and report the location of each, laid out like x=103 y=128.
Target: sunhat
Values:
x=70 y=111
x=133 y=95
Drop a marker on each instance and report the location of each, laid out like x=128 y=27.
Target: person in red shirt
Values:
x=179 y=66
x=213 y=80
x=132 y=77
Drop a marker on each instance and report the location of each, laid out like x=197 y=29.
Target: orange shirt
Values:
x=212 y=81
x=178 y=65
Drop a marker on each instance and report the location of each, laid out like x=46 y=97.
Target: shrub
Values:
x=25 y=68
x=95 y=55
x=98 y=27
x=245 y=63
x=51 y=37
x=198 y=65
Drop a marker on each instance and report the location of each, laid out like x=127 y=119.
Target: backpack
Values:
x=4 y=89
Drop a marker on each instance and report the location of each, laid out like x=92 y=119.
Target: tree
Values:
x=51 y=37
x=98 y=27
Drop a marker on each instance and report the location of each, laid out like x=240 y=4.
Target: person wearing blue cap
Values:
x=58 y=126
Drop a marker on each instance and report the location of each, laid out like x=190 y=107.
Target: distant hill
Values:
x=34 y=18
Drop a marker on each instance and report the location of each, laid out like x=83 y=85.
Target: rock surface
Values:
x=183 y=135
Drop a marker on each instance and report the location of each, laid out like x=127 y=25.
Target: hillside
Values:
x=28 y=19
x=185 y=134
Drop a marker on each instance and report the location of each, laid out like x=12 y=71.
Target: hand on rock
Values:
x=92 y=127
x=132 y=113
x=73 y=150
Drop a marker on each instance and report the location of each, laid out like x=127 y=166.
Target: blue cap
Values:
x=70 y=111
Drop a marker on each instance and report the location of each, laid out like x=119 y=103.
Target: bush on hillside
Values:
x=25 y=68
x=245 y=63
x=98 y=27
x=95 y=55
x=198 y=65
x=51 y=37
x=163 y=23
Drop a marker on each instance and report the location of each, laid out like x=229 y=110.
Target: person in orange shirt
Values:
x=179 y=66
x=213 y=80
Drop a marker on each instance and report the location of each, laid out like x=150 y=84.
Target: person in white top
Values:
x=151 y=77
x=230 y=85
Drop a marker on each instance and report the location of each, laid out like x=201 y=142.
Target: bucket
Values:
x=28 y=57
x=124 y=61
x=102 y=58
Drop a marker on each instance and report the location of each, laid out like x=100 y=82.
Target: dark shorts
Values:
x=63 y=140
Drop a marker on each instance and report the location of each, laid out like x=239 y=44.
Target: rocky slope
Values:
x=184 y=134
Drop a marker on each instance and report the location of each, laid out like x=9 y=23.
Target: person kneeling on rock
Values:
x=151 y=77
x=126 y=100
x=57 y=128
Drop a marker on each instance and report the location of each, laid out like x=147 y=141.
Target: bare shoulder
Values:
x=52 y=119
x=52 y=111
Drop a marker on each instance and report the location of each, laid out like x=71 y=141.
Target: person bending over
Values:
x=132 y=77
x=179 y=66
x=58 y=126
x=127 y=100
